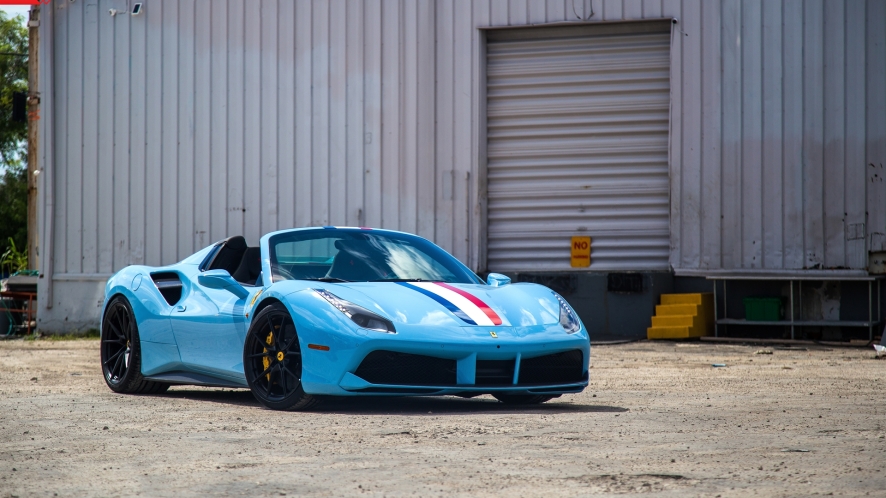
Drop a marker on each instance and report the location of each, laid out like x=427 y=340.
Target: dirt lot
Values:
x=657 y=418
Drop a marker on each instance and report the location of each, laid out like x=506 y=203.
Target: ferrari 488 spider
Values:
x=336 y=311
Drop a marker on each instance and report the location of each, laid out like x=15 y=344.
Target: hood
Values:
x=454 y=305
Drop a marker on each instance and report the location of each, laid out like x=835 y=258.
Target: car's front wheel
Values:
x=272 y=361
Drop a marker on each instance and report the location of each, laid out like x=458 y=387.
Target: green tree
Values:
x=13 y=136
x=14 y=207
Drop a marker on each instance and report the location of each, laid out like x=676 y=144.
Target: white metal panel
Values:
x=578 y=145
x=772 y=243
x=875 y=127
x=856 y=249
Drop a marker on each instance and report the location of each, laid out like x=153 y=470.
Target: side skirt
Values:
x=193 y=379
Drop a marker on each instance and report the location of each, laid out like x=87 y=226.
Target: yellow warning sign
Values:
x=581 y=252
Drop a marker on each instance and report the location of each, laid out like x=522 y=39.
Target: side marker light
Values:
x=318 y=347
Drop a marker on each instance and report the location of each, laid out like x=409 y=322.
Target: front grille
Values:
x=389 y=367
x=560 y=368
x=495 y=372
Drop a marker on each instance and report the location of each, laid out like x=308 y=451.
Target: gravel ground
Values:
x=656 y=419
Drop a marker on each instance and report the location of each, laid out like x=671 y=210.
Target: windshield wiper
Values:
x=325 y=279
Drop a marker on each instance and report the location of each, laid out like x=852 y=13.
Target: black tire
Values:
x=523 y=399
x=272 y=361
x=121 y=351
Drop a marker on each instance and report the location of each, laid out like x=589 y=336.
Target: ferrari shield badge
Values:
x=493 y=334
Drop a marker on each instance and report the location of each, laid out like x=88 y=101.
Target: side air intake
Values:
x=170 y=286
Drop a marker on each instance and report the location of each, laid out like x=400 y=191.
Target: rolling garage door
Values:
x=578 y=145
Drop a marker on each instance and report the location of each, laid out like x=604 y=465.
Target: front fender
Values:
x=318 y=323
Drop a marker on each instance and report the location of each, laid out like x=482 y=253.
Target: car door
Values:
x=210 y=327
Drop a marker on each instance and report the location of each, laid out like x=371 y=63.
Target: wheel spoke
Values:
x=116 y=330
x=259 y=355
x=270 y=350
x=113 y=341
x=120 y=323
x=117 y=371
x=275 y=336
x=289 y=343
x=112 y=358
x=121 y=368
x=297 y=380
x=275 y=372
x=128 y=330
x=282 y=378
x=265 y=372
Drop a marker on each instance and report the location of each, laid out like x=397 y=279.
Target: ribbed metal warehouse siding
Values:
x=199 y=119
x=779 y=143
x=202 y=119
x=577 y=128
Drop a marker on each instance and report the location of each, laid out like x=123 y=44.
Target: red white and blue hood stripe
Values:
x=462 y=304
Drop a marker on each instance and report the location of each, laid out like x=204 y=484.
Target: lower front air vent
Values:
x=170 y=286
x=561 y=368
x=495 y=372
x=392 y=368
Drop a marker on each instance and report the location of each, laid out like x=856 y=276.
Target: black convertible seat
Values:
x=560 y=368
x=230 y=255
x=250 y=266
x=389 y=367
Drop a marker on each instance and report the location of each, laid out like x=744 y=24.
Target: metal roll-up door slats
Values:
x=578 y=145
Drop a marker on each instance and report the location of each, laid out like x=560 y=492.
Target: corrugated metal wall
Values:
x=203 y=118
x=779 y=141
x=200 y=119
x=577 y=144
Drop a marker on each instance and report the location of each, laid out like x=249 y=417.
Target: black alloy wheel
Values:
x=523 y=399
x=121 y=351
x=272 y=361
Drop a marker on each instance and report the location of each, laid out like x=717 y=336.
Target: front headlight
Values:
x=568 y=320
x=358 y=314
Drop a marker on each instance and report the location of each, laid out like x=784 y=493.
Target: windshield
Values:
x=360 y=255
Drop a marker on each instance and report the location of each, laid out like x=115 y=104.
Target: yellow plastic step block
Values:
x=682 y=316
x=677 y=309
x=694 y=298
x=669 y=332
x=674 y=321
x=674 y=332
x=681 y=298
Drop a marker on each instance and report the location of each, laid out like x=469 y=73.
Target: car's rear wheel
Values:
x=272 y=361
x=522 y=399
x=121 y=351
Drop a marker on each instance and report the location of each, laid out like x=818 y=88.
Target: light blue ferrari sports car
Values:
x=335 y=311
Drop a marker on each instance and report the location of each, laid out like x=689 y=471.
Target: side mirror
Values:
x=497 y=279
x=221 y=279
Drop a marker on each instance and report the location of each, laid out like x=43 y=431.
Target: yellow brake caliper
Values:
x=266 y=361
